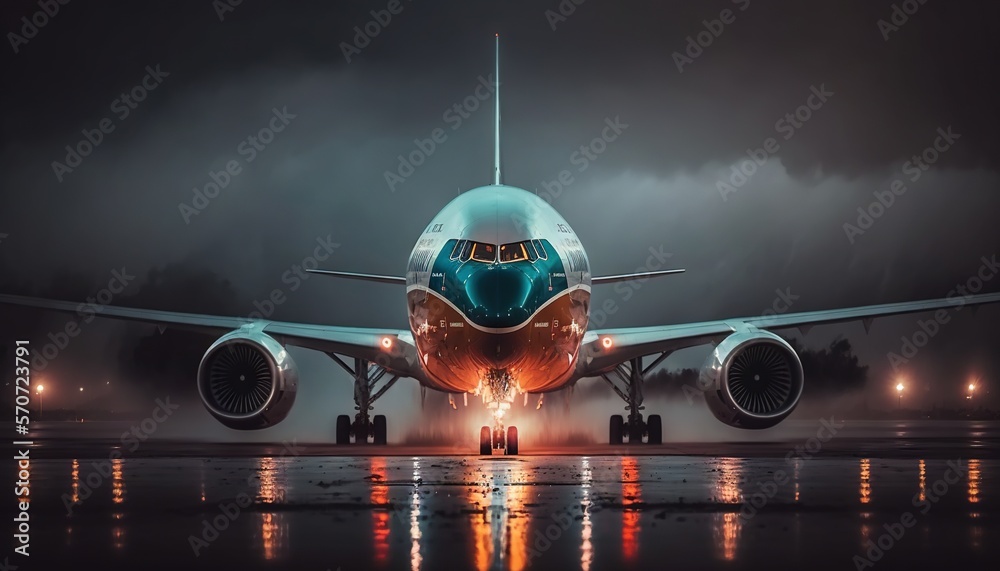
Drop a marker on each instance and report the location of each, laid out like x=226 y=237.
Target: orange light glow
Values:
x=727 y=490
x=607 y=342
x=631 y=495
x=866 y=486
x=975 y=476
x=75 y=475
x=923 y=480
x=386 y=342
x=117 y=481
x=273 y=527
x=380 y=517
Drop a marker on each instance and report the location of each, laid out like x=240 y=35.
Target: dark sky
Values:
x=655 y=186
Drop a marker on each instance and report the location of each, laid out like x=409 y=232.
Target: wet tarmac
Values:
x=891 y=495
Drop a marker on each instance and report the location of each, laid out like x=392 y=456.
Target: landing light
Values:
x=606 y=342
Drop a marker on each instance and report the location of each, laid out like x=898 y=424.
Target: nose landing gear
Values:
x=498 y=390
x=498 y=439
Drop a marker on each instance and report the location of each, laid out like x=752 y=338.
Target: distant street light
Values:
x=899 y=393
x=972 y=390
x=38 y=390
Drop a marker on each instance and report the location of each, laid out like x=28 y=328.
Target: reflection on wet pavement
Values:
x=507 y=513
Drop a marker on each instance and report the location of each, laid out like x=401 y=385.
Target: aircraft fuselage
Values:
x=498 y=289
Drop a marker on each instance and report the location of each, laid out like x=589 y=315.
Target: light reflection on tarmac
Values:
x=680 y=506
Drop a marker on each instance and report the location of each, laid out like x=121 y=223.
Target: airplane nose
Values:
x=499 y=296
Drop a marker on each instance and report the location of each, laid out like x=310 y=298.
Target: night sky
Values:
x=873 y=84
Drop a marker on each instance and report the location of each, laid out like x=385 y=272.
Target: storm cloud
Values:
x=730 y=161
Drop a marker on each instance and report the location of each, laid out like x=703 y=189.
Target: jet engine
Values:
x=752 y=379
x=247 y=380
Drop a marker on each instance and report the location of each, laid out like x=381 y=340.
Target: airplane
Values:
x=498 y=298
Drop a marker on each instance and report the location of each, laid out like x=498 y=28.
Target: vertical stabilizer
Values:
x=496 y=117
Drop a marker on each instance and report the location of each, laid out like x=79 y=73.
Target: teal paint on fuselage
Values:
x=498 y=295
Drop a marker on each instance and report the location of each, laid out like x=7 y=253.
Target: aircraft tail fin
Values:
x=496 y=116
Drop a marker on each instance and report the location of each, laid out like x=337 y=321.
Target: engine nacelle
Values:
x=753 y=379
x=247 y=380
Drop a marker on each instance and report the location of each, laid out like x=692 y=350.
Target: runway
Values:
x=776 y=505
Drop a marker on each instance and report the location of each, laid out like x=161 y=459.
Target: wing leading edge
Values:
x=400 y=356
x=604 y=349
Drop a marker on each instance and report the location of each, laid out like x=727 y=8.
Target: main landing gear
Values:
x=631 y=376
x=366 y=376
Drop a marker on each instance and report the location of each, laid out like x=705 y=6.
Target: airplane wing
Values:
x=630 y=277
x=363 y=343
x=400 y=280
x=604 y=349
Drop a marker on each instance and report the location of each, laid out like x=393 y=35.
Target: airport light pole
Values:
x=899 y=394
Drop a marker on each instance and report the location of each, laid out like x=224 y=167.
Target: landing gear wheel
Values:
x=511 y=440
x=379 y=429
x=635 y=433
x=617 y=428
x=654 y=429
x=499 y=439
x=343 y=429
x=485 y=444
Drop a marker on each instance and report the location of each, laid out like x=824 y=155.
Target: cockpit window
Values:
x=540 y=249
x=484 y=252
x=530 y=250
x=456 y=252
x=517 y=251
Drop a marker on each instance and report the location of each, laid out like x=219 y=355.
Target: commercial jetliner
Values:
x=498 y=296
